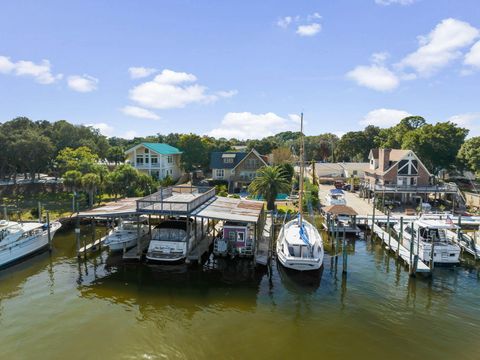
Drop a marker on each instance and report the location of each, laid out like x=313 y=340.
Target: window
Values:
x=154 y=159
x=146 y=151
x=140 y=159
x=169 y=159
x=219 y=173
x=146 y=159
x=228 y=160
x=252 y=163
x=231 y=235
x=240 y=236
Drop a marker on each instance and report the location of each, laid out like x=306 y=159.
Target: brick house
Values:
x=236 y=168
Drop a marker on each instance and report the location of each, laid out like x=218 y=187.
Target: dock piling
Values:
x=49 y=234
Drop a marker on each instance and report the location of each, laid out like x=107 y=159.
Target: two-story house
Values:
x=156 y=159
x=236 y=168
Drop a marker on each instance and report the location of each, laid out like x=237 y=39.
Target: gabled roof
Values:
x=159 y=148
x=257 y=154
x=216 y=159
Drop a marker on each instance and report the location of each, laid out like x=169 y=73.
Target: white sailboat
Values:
x=125 y=235
x=19 y=240
x=299 y=244
x=428 y=232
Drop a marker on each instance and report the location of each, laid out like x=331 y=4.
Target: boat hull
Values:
x=299 y=264
x=13 y=253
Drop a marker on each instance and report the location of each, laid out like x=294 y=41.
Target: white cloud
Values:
x=314 y=16
x=473 y=56
x=440 y=47
x=376 y=77
x=139 y=112
x=227 y=94
x=246 y=125
x=399 y=2
x=130 y=134
x=82 y=83
x=171 y=89
x=140 y=72
x=384 y=117
x=309 y=30
x=285 y=21
x=41 y=72
x=379 y=58
x=295 y=118
x=471 y=121
x=104 y=128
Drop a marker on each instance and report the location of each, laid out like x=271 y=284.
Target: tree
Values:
x=282 y=155
x=436 y=145
x=90 y=183
x=269 y=182
x=116 y=154
x=81 y=159
x=195 y=151
x=72 y=179
x=392 y=138
x=469 y=154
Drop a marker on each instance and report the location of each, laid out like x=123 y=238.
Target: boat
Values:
x=170 y=241
x=125 y=235
x=335 y=197
x=21 y=239
x=299 y=244
x=427 y=232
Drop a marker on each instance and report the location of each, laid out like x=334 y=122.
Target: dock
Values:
x=264 y=249
x=92 y=246
x=135 y=253
x=401 y=251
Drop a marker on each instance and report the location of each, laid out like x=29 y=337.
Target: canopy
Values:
x=340 y=210
x=336 y=192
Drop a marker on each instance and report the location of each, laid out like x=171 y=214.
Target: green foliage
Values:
x=269 y=182
x=167 y=181
x=81 y=159
x=128 y=181
x=90 y=183
x=469 y=154
x=221 y=190
x=72 y=179
x=356 y=145
x=436 y=145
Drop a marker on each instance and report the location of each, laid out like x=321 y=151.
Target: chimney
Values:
x=383 y=159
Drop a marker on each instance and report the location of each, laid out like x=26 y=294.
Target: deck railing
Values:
x=447 y=188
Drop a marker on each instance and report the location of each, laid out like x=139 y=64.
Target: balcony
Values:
x=404 y=189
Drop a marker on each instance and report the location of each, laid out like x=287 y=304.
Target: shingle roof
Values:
x=161 y=148
x=216 y=160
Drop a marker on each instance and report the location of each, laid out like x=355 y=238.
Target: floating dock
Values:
x=401 y=252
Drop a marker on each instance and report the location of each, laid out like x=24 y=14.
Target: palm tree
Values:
x=91 y=182
x=269 y=182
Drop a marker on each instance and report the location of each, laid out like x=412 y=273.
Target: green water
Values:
x=53 y=307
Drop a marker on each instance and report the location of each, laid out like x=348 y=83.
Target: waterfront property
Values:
x=330 y=172
x=238 y=169
x=156 y=159
x=403 y=176
x=206 y=214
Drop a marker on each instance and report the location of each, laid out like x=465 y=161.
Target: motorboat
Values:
x=429 y=232
x=335 y=197
x=21 y=239
x=170 y=241
x=299 y=244
x=125 y=235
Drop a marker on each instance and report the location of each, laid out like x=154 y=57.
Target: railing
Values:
x=163 y=201
x=450 y=188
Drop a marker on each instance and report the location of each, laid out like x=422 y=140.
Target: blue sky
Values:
x=240 y=68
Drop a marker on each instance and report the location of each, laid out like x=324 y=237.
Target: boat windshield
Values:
x=166 y=234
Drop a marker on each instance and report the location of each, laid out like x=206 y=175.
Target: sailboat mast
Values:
x=300 y=194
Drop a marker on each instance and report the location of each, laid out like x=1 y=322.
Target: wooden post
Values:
x=400 y=240
x=345 y=255
x=388 y=229
x=77 y=235
x=5 y=213
x=432 y=261
x=150 y=226
x=139 y=241
x=48 y=232
x=411 y=253
x=94 y=235
x=39 y=212
x=373 y=215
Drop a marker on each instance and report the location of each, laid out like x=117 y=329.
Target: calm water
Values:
x=53 y=307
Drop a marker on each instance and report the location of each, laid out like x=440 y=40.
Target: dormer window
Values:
x=228 y=160
x=146 y=151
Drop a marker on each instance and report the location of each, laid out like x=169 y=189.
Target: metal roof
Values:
x=222 y=208
x=216 y=159
x=121 y=207
x=159 y=148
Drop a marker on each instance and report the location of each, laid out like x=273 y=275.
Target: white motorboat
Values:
x=170 y=242
x=299 y=244
x=125 y=235
x=428 y=232
x=335 y=197
x=19 y=240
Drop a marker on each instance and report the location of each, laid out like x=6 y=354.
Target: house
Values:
x=156 y=159
x=401 y=174
x=338 y=171
x=236 y=168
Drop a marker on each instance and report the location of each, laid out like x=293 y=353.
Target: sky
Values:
x=243 y=69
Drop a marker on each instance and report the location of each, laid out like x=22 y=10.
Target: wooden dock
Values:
x=92 y=246
x=403 y=253
x=263 y=251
